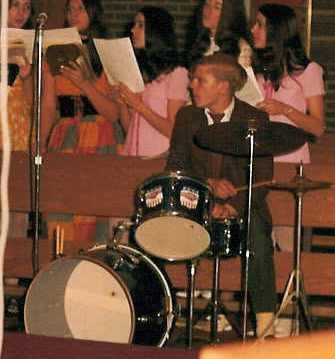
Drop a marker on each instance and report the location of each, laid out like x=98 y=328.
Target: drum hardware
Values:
x=227 y=237
x=151 y=319
x=191 y=266
x=264 y=138
x=113 y=255
x=118 y=231
x=295 y=292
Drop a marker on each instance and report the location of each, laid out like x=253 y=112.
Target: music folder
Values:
x=21 y=42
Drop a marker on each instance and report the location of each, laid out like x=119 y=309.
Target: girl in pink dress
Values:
x=149 y=117
x=292 y=85
x=293 y=91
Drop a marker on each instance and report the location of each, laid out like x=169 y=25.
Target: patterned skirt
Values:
x=88 y=135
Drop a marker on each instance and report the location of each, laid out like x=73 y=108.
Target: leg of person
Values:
x=284 y=237
x=261 y=274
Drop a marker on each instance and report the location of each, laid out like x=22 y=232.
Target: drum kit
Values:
x=116 y=293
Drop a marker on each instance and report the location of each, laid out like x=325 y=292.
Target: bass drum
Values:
x=118 y=296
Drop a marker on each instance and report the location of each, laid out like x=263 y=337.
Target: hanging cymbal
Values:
x=300 y=184
x=270 y=138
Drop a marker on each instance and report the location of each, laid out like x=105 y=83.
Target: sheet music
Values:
x=119 y=62
x=20 y=45
x=21 y=42
x=250 y=92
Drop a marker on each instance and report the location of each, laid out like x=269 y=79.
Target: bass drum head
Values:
x=79 y=298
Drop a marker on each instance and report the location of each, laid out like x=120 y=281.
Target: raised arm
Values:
x=103 y=103
x=176 y=97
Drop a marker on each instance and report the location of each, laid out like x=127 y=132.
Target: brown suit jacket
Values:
x=186 y=156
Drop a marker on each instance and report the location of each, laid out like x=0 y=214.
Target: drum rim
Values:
x=89 y=259
x=169 y=213
x=178 y=175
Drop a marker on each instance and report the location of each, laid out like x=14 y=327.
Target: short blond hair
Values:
x=225 y=68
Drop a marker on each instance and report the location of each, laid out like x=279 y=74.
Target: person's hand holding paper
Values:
x=130 y=98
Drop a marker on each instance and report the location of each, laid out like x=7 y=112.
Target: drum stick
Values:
x=244 y=188
x=61 y=245
x=255 y=185
x=57 y=240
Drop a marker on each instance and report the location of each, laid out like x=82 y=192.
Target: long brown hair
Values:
x=232 y=25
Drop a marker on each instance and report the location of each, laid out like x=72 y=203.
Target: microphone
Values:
x=42 y=19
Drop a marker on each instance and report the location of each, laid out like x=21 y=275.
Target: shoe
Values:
x=206 y=294
x=269 y=337
x=205 y=325
x=183 y=294
x=180 y=322
x=12 y=308
x=283 y=327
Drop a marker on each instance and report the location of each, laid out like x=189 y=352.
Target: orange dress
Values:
x=19 y=115
x=19 y=122
x=79 y=132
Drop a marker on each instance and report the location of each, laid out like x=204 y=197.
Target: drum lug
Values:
x=138 y=216
x=173 y=188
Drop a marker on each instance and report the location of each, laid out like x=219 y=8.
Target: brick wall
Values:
x=120 y=12
x=323 y=50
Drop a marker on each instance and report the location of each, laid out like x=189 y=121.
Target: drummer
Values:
x=214 y=80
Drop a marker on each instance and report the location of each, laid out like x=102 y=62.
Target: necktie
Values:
x=216 y=117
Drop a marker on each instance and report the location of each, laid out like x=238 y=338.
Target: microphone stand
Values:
x=36 y=217
x=252 y=129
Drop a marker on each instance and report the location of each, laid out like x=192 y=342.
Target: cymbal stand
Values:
x=294 y=292
x=252 y=128
x=192 y=265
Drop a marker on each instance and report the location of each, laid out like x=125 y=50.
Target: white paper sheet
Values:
x=250 y=92
x=119 y=62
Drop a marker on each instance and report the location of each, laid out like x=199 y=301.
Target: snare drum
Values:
x=119 y=296
x=173 y=216
x=227 y=237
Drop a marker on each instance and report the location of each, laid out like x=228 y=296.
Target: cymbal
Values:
x=300 y=184
x=270 y=138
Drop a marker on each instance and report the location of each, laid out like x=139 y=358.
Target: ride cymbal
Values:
x=270 y=138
